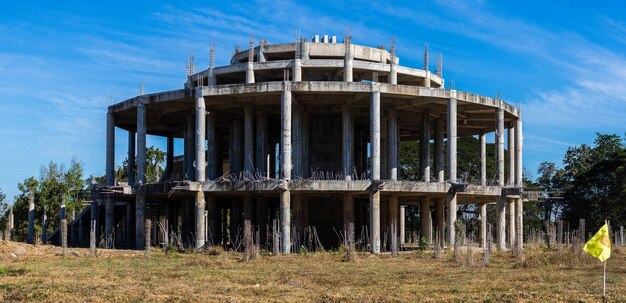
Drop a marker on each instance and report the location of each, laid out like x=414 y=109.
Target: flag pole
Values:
x=604 y=283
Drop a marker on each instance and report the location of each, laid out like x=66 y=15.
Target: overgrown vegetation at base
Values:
x=123 y=276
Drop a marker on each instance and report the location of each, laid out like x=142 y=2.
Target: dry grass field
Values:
x=41 y=274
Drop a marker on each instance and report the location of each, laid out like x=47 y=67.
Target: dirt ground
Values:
x=42 y=274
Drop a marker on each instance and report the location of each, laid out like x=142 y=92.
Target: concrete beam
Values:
x=109 y=217
x=141 y=144
x=250 y=72
x=297 y=70
x=348 y=214
x=236 y=148
x=519 y=224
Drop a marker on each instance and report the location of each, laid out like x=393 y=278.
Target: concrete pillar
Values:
x=212 y=215
x=129 y=230
x=392 y=140
x=63 y=221
x=501 y=223
x=140 y=220
x=109 y=217
x=296 y=139
x=285 y=139
x=199 y=232
x=304 y=142
x=248 y=230
x=440 y=206
x=519 y=139
x=451 y=216
x=425 y=147
x=300 y=211
x=347 y=141
x=401 y=228
x=348 y=213
x=110 y=150
x=483 y=158
x=483 y=224
x=261 y=143
x=519 y=224
x=500 y=146
x=236 y=151
x=248 y=145
x=141 y=144
x=11 y=224
x=169 y=161
x=347 y=65
x=439 y=171
x=191 y=148
x=511 y=150
x=375 y=135
x=452 y=138
x=44 y=226
x=393 y=74
x=393 y=208
x=250 y=72
x=285 y=221
x=512 y=226
x=297 y=70
x=425 y=219
x=31 y=218
x=211 y=136
x=200 y=148
x=375 y=221
x=427 y=79
x=131 y=159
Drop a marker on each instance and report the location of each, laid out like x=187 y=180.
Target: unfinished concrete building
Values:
x=307 y=134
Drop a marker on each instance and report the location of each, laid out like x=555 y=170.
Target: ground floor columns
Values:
x=402 y=218
x=375 y=171
x=131 y=158
x=285 y=221
x=439 y=163
x=31 y=218
x=285 y=169
x=483 y=224
x=212 y=213
x=519 y=225
x=140 y=220
x=451 y=217
x=248 y=234
x=425 y=219
x=392 y=213
x=511 y=226
x=348 y=217
x=440 y=206
x=375 y=221
x=501 y=223
x=199 y=232
x=109 y=217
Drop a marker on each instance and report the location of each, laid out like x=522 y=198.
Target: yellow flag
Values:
x=599 y=245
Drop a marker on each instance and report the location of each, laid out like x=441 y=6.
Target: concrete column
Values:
x=261 y=143
x=483 y=224
x=297 y=70
x=347 y=141
x=285 y=221
x=348 y=213
x=199 y=232
x=440 y=206
x=393 y=74
x=110 y=150
x=131 y=158
x=236 y=151
x=519 y=224
x=512 y=226
x=427 y=79
x=141 y=144
x=393 y=208
x=296 y=139
x=451 y=216
x=170 y=158
x=375 y=135
x=191 y=148
x=109 y=217
x=140 y=220
x=31 y=218
x=212 y=214
x=375 y=221
x=44 y=226
x=519 y=139
x=401 y=228
x=248 y=232
x=439 y=171
x=200 y=140
x=62 y=220
x=452 y=138
x=425 y=219
x=511 y=149
x=211 y=136
x=483 y=158
x=392 y=143
x=425 y=147
x=11 y=224
x=304 y=143
x=347 y=66
x=129 y=222
x=501 y=223
x=250 y=72
x=285 y=138
x=500 y=146
x=248 y=145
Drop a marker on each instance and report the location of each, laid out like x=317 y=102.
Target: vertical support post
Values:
x=451 y=217
x=199 y=232
x=141 y=143
x=261 y=143
x=236 y=152
x=375 y=221
x=439 y=151
x=248 y=141
x=375 y=171
x=425 y=147
x=452 y=123
x=169 y=158
x=425 y=219
x=285 y=220
x=501 y=223
x=440 y=206
x=348 y=60
x=519 y=139
x=348 y=214
x=11 y=224
x=212 y=214
x=392 y=219
x=250 y=72
x=248 y=208
x=511 y=150
x=200 y=138
x=211 y=136
x=296 y=139
x=285 y=196
x=109 y=216
x=347 y=141
x=483 y=158
x=31 y=218
x=110 y=150
x=402 y=218
x=297 y=70
x=132 y=165
x=140 y=220
x=512 y=226
x=392 y=143
x=500 y=146
x=483 y=224
x=44 y=226
x=519 y=225
x=191 y=148
x=129 y=222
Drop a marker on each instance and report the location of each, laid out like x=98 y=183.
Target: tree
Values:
x=155 y=160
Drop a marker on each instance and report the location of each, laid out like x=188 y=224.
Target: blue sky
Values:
x=62 y=63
